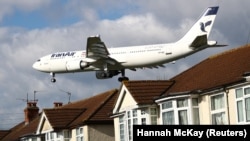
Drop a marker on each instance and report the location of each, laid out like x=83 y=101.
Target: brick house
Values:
x=87 y=119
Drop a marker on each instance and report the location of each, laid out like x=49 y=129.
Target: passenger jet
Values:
x=109 y=62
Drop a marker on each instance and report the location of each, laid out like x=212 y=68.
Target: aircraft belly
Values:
x=58 y=66
x=144 y=60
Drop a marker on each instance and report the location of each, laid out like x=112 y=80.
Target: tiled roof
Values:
x=3 y=133
x=21 y=129
x=216 y=71
x=144 y=91
x=60 y=118
x=95 y=108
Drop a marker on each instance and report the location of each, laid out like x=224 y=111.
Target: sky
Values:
x=31 y=29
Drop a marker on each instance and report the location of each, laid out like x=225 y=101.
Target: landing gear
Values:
x=53 y=80
x=120 y=79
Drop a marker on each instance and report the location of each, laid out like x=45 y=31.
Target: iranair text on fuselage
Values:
x=63 y=54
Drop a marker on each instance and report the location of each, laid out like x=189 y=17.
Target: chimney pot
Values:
x=57 y=104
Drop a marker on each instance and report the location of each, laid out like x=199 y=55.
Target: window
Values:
x=179 y=111
x=243 y=104
x=122 y=128
x=195 y=111
x=51 y=136
x=182 y=105
x=140 y=116
x=79 y=134
x=218 y=109
x=168 y=114
x=66 y=135
x=153 y=116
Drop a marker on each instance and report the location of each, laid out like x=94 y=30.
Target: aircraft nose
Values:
x=36 y=66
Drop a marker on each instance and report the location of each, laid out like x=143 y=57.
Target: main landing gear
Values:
x=120 y=79
x=53 y=80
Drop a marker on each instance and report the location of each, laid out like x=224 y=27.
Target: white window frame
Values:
x=51 y=136
x=171 y=106
x=139 y=116
x=79 y=134
x=219 y=110
x=243 y=114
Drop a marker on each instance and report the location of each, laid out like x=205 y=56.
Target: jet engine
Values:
x=106 y=74
x=76 y=65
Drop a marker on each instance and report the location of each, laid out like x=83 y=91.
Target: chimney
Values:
x=30 y=112
x=57 y=104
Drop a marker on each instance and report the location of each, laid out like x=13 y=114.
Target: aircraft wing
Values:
x=97 y=50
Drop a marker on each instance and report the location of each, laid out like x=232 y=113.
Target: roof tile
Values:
x=144 y=91
x=216 y=71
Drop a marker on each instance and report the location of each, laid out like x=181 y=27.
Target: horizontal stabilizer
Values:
x=218 y=45
x=199 y=41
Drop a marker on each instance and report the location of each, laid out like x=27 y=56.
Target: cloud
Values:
x=136 y=23
x=7 y=7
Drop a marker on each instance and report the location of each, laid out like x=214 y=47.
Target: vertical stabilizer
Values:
x=202 y=27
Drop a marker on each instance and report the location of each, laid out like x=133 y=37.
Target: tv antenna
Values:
x=69 y=94
x=27 y=98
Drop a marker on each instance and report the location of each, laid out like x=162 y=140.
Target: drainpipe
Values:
x=228 y=115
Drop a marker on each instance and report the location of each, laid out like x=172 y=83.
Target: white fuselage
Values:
x=128 y=58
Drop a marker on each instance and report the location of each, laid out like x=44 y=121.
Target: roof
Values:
x=67 y=115
x=94 y=109
x=21 y=129
x=144 y=91
x=216 y=71
x=3 y=133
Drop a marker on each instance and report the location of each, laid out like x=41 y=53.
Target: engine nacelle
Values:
x=106 y=74
x=76 y=65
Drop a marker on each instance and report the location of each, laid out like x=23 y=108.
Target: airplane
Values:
x=109 y=62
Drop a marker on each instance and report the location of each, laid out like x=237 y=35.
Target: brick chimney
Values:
x=30 y=112
x=57 y=104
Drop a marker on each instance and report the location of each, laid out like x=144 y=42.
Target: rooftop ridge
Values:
x=228 y=51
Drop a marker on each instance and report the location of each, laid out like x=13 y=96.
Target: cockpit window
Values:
x=38 y=60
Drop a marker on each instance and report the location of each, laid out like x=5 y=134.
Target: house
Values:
x=215 y=91
x=136 y=105
x=26 y=128
x=87 y=119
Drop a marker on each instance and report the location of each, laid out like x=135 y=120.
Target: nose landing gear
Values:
x=53 y=80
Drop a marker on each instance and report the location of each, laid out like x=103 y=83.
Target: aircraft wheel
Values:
x=120 y=79
x=53 y=80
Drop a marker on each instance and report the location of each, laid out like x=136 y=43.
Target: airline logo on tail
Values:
x=210 y=11
x=204 y=25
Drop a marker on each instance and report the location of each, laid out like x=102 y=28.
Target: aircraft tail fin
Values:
x=200 y=31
